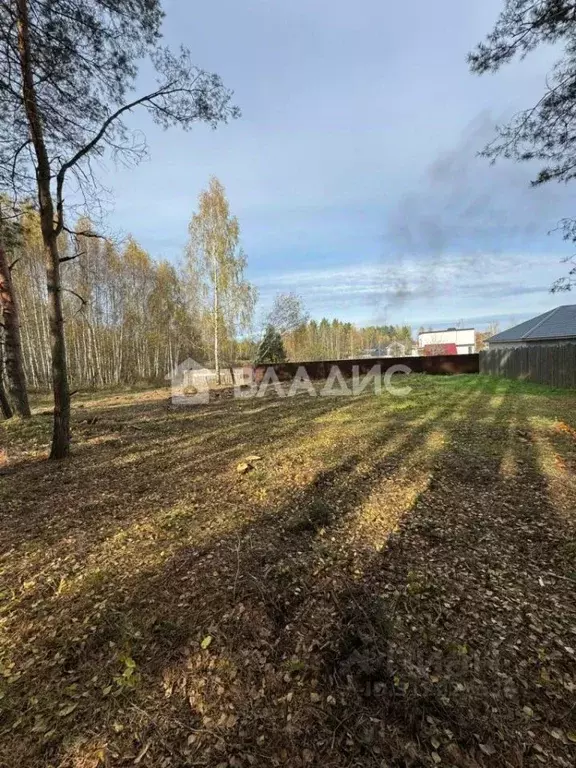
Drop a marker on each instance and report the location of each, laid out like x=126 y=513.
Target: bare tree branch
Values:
x=91 y=144
x=71 y=258
x=83 y=233
x=77 y=295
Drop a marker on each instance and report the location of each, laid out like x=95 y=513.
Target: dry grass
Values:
x=392 y=585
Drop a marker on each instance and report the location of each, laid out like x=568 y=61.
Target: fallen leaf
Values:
x=67 y=710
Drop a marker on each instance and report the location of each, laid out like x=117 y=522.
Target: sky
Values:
x=353 y=170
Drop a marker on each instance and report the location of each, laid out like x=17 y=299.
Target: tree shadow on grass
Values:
x=150 y=611
x=321 y=647
x=465 y=655
x=119 y=475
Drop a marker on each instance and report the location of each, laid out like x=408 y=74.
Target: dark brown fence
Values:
x=551 y=364
x=320 y=369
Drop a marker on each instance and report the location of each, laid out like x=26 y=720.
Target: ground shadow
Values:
x=297 y=636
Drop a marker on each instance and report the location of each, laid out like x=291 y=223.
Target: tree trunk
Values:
x=61 y=429
x=216 y=339
x=12 y=343
x=5 y=406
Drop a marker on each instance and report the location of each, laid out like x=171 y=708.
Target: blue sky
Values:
x=353 y=169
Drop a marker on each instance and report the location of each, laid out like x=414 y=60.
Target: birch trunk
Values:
x=216 y=335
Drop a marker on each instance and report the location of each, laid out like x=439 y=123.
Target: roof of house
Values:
x=444 y=330
x=559 y=323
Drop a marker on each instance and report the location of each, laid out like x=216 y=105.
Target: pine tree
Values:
x=271 y=348
x=67 y=68
x=546 y=132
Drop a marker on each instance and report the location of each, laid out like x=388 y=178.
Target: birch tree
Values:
x=127 y=316
x=287 y=313
x=217 y=263
x=66 y=69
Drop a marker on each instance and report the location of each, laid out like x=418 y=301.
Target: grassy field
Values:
x=392 y=583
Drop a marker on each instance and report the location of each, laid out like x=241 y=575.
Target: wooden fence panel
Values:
x=551 y=364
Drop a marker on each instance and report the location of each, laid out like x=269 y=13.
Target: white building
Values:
x=449 y=341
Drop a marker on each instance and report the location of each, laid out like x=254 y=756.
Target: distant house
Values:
x=372 y=352
x=394 y=349
x=192 y=374
x=439 y=349
x=189 y=373
x=553 y=327
x=448 y=341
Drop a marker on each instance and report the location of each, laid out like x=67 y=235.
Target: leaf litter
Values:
x=394 y=586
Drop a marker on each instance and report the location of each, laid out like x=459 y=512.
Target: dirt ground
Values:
x=392 y=583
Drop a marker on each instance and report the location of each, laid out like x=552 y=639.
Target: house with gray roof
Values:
x=558 y=326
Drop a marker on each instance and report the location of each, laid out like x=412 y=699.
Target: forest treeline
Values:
x=69 y=82
x=336 y=340
x=131 y=318
x=128 y=317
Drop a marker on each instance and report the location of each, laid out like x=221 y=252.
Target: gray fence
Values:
x=551 y=364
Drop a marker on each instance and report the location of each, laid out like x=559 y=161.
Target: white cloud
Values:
x=418 y=290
